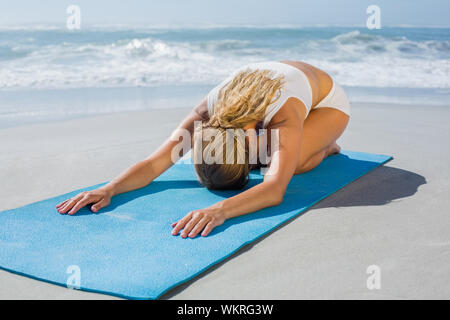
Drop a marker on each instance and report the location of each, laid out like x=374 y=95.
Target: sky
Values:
x=427 y=13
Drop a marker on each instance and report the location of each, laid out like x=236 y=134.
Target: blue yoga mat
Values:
x=127 y=249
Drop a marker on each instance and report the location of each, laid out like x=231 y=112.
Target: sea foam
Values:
x=56 y=58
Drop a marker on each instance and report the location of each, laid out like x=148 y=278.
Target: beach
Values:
x=395 y=217
x=77 y=107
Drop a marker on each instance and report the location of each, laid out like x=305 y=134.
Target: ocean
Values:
x=50 y=73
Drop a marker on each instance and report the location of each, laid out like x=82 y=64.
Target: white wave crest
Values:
x=353 y=58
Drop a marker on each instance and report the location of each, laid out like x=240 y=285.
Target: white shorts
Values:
x=336 y=99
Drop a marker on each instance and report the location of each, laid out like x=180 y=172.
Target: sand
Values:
x=396 y=217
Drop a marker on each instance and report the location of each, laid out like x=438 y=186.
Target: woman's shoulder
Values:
x=292 y=109
x=202 y=109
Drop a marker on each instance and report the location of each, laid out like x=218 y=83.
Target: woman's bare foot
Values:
x=333 y=149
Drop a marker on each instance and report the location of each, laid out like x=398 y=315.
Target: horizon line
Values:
x=206 y=25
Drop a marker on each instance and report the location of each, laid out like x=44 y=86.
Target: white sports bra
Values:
x=296 y=85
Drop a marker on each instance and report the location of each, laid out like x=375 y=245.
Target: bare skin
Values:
x=303 y=144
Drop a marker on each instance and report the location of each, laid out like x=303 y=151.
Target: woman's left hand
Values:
x=198 y=221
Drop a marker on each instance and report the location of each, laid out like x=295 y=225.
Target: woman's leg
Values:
x=321 y=129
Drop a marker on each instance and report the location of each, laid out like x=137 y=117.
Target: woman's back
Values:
x=320 y=82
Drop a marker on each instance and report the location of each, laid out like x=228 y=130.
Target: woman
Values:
x=307 y=107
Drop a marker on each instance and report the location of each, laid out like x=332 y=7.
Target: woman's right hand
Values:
x=100 y=198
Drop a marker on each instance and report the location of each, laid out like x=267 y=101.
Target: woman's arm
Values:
x=289 y=122
x=145 y=171
x=138 y=175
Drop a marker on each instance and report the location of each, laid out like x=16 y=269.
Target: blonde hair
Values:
x=244 y=100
